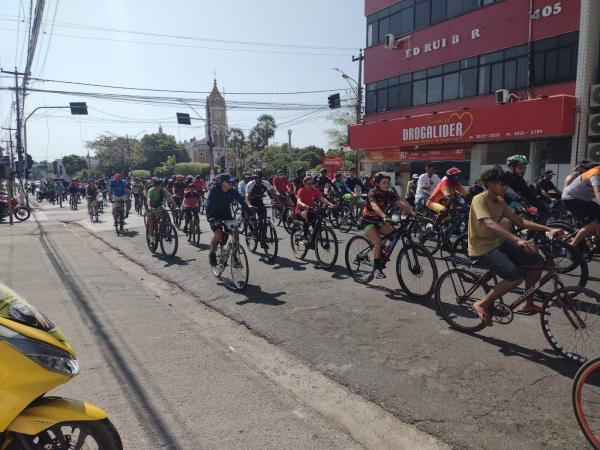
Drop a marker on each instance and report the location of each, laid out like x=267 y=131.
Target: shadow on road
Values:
x=255 y=294
x=174 y=261
x=285 y=263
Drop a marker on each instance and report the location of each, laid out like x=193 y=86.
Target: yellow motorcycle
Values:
x=35 y=358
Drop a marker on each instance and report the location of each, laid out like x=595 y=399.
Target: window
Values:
x=422 y=13
x=484 y=79
x=438 y=11
x=510 y=74
x=371 y=106
x=468 y=83
x=405 y=95
x=555 y=59
x=497 y=81
x=394 y=98
x=419 y=92
x=451 y=82
x=434 y=90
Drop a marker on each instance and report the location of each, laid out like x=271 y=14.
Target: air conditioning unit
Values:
x=595 y=96
x=593 y=151
x=390 y=41
x=502 y=96
x=594 y=125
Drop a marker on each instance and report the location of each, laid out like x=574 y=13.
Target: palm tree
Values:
x=263 y=131
x=236 y=141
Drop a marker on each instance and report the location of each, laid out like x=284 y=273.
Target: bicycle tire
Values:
x=363 y=256
x=590 y=371
x=333 y=217
x=296 y=236
x=22 y=213
x=168 y=234
x=574 y=260
x=460 y=246
x=196 y=234
x=251 y=237
x=346 y=219
x=288 y=219
x=416 y=259
x=324 y=240
x=272 y=243
x=152 y=247
x=447 y=307
x=220 y=267
x=96 y=215
x=121 y=221
x=240 y=280
x=556 y=323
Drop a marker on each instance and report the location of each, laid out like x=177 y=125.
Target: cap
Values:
x=415 y=176
x=549 y=172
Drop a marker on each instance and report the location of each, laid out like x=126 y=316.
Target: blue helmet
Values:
x=224 y=177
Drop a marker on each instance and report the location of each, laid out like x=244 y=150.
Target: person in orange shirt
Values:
x=442 y=195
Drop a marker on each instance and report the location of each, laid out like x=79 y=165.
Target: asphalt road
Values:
x=503 y=388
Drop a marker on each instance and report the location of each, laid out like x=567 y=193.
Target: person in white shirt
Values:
x=242 y=184
x=426 y=184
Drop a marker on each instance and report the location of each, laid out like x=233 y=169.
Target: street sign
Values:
x=332 y=163
x=183 y=119
x=78 y=108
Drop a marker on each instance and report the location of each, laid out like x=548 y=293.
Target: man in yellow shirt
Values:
x=493 y=244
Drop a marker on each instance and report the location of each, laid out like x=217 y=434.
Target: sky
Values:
x=260 y=46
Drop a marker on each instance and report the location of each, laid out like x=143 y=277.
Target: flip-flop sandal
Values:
x=486 y=319
x=529 y=311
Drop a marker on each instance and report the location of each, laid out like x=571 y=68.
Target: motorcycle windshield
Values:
x=15 y=308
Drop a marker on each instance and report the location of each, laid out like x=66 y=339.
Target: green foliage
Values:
x=115 y=154
x=156 y=147
x=341 y=119
x=140 y=173
x=74 y=163
x=88 y=173
x=263 y=131
x=194 y=169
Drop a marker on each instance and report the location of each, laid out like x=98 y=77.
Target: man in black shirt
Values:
x=547 y=192
x=517 y=188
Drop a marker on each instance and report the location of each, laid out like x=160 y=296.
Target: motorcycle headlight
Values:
x=47 y=356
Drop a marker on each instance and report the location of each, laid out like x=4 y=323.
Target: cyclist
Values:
x=242 y=184
x=338 y=184
x=91 y=193
x=581 y=167
x=297 y=182
x=375 y=222
x=218 y=208
x=51 y=192
x=281 y=183
x=352 y=182
x=444 y=193
x=517 y=188
x=60 y=192
x=425 y=185
x=509 y=256
x=548 y=194
x=191 y=196
x=137 y=189
x=74 y=188
x=321 y=180
x=177 y=190
x=118 y=191
x=305 y=202
x=256 y=190
x=200 y=185
x=157 y=195
x=579 y=197
x=411 y=190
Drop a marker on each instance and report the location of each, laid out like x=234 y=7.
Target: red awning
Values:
x=529 y=119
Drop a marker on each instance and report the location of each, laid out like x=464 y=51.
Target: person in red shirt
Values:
x=281 y=183
x=305 y=201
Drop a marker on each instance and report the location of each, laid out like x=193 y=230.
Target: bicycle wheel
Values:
x=416 y=271
x=326 y=247
x=359 y=259
x=271 y=242
x=168 y=239
x=196 y=232
x=288 y=219
x=299 y=248
x=455 y=293
x=151 y=246
x=239 y=268
x=276 y=215
x=95 y=214
x=22 y=213
x=121 y=220
x=460 y=246
x=220 y=267
x=571 y=266
x=177 y=218
x=333 y=216
x=585 y=395
x=251 y=237
x=570 y=321
x=427 y=234
x=346 y=219
x=91 y=214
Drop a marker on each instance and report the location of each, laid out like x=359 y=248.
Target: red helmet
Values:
x=453 y=171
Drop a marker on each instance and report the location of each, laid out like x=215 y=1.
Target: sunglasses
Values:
x=310 y=183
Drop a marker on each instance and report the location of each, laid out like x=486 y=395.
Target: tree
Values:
x=191 y=168
x=167 y=167
x=341 y=119
x=140 y=173
x=313 y=155
x=114 y=154
x=236 y=143
x=74 y=163
x=157 y=147
x=263 y=131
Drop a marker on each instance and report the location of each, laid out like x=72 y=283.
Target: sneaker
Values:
x=379 y=274
x=212 y=258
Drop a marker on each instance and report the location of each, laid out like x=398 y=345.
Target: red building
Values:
x=470 y=82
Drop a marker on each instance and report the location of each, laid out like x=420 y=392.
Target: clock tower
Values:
x=218 y=121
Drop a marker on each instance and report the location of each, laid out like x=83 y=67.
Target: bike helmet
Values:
x=247 y=175
x=453 y=171
x=517 y=160
x=323 y=170
x=224 y=177
x=280 y=172
x=338 y=175
x=380 y=176
x=300 y=170
x=198 y=177
x=258 y=173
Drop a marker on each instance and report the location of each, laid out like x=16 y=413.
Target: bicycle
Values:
x=165 y=233
x=233 y=254
x=74 y=201
x=93 y=211
x=202 y=203
x=262 y=232
x=416 y=269
x=192 y=225
x=139 y=203
x=120 y=219
x=439 y=236
x=585 y=394
x=282 y=213
x=321 y=239
x=459 y=288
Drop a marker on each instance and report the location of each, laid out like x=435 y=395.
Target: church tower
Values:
x=218 y=121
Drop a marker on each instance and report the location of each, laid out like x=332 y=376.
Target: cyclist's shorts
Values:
x=586 y=212
x=122 y=198
x=369 y=223
x=436 y=207
x=509 y=261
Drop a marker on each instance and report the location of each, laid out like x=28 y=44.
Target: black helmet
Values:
x=258 y=173
x=223 y=177
x=198 y=177
x=300 y=170
x=339 y=175
x=247 y=175
x=323 y=169
x=380 y=176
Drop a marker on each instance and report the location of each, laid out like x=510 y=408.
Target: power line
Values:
x=193 y=38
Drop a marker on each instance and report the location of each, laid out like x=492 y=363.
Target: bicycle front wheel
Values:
x=299 y=247
x=585 y=395
x=455 y=293
x=239 y=268
x=271 y=243
x=251 y=237
x=359 y=259
x=169 y=240
x=326 y=247
x=346 y=219
x=570 y=321
x=416 y=271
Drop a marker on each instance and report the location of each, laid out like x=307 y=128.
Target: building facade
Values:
x=216 y=109
x=468 y=83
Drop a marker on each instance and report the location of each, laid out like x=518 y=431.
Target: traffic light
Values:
x=55 y=167
x=183 y=119
x=334 y=101
x=78 y=108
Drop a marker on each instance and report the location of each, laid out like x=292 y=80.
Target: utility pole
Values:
x=290 y=154
x=10 y=178
x=359 y=96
